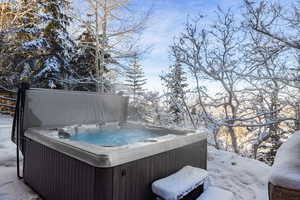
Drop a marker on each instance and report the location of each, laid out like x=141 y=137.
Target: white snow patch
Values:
x=35 y=44
x=13 y=189
x=214 y=193
x=246 y=178
x=286 y=168
x=10 y=187
x=7 y=148
x=180 y=183
x=52 y=65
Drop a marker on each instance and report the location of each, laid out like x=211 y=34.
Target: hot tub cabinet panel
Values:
x=58 y=176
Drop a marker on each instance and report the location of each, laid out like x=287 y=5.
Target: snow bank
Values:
x=180 y=183
x=13 y=189
x=10 y=187
x=214 y=193
x=286 y=168
x=246 y=178
x=7 y=148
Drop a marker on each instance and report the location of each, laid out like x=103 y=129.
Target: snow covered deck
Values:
x=245 y=178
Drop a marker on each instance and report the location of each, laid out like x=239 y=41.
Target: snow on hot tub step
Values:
x=180 y=183
x=215 y=193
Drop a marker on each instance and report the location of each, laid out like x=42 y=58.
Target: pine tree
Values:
x=135 y=79
x=83 y=63
x=39 y=47
x=55 y=63
x=19 y=25
x=175 y=82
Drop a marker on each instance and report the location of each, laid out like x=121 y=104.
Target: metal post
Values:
x=17 y=129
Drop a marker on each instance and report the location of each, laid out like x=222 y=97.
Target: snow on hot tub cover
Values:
x=286 y=168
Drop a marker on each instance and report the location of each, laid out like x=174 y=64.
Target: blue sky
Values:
x=167 y=21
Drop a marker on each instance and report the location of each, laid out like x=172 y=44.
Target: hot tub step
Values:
x=185 y=184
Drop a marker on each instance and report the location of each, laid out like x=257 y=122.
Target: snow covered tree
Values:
x=115 y=28
x=212 y=54
x=278 y=22
x=175 y=82
x=135 y=79
x=83 y=63
x=273 y=73
x=147 y=109
x=39 y=45
x=19 y=24
x=55 y=67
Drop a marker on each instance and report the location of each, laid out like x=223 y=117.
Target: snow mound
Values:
x=216 y=193
x=7 y=148
x=246 y=178
x=180 y=183
x=286 y=168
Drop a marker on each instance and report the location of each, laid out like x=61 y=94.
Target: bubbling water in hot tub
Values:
x=114 y=137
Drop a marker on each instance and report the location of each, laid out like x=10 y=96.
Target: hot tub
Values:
x=112 y=144
x=108 y=158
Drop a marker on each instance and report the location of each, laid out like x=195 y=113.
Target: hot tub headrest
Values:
x=49 y=108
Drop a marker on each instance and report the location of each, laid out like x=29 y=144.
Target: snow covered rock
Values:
x=180 y=183
x=214 y=193
x=286 y=169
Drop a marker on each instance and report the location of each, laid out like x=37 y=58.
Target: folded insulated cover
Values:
x=52 y=108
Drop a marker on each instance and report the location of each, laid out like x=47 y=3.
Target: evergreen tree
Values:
x=39 y=47
x=55 y=63
x=17 y=62
x=135 y=79
x=175 y=82
x=83 y=63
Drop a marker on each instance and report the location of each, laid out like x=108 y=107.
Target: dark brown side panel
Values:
x=103 y=184
x=132 y=181
x=56 y=176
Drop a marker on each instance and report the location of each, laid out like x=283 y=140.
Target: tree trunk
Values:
x=233 y=139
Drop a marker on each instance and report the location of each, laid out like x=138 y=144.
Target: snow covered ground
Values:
x=245 y=178
x=10 y=187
